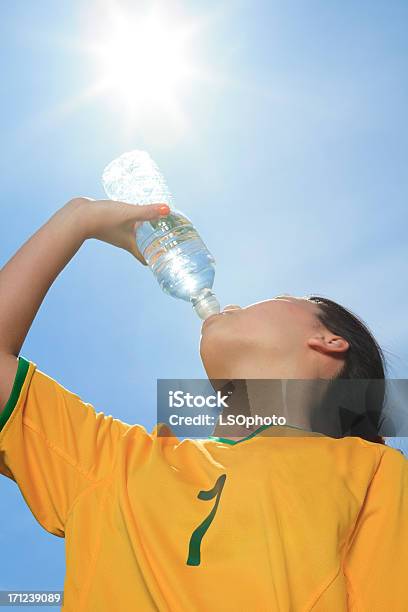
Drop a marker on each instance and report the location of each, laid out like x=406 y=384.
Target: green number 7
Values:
x=197 y=535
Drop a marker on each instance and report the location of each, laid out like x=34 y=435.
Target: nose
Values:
x=231 y=307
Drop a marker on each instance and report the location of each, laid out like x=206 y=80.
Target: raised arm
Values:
x=27 y=276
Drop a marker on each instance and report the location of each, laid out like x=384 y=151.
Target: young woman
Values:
x=283 y=519
x=299 y=339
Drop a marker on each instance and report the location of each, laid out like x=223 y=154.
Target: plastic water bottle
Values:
x=171 y=246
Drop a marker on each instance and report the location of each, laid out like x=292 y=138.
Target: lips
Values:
x=210 y=318
x=214 y=316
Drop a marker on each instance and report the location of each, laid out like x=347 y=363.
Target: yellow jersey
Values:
x=269 y=523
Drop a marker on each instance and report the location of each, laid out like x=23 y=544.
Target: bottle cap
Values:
x=206 y=304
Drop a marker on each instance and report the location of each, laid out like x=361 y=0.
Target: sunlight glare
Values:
x=144 y=60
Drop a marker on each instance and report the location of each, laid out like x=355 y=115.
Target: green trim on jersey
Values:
x=19 y=379
x=228 y=441
x=251 y=435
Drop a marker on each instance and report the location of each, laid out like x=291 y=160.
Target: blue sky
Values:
x=288 y=150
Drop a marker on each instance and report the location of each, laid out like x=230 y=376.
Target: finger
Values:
x=158 y=210
x=145 y=212
x=140 y=258
x=133 y=249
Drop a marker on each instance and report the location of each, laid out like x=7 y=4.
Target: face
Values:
x=271 y=331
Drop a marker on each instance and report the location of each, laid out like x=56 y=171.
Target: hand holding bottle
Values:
x=171 y=247
x=116 y=222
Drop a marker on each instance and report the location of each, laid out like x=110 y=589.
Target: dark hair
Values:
x=364 y=360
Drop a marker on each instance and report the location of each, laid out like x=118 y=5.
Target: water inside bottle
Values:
x=177 y=255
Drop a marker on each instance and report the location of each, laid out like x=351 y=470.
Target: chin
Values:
x=210 y=357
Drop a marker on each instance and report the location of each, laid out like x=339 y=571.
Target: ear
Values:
x=329 y=344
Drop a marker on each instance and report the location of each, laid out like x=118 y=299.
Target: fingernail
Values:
x=164 y=209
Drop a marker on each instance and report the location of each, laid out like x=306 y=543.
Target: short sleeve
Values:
x=54 y=445
x=376 y=562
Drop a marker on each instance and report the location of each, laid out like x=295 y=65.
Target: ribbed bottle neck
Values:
x=206 y=304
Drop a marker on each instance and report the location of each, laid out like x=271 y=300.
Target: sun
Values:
x=143 y=63
x=144 y=58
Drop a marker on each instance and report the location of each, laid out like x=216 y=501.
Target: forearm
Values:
x=27 y=276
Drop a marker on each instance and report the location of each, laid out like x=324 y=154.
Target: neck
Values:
x=275 y=402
